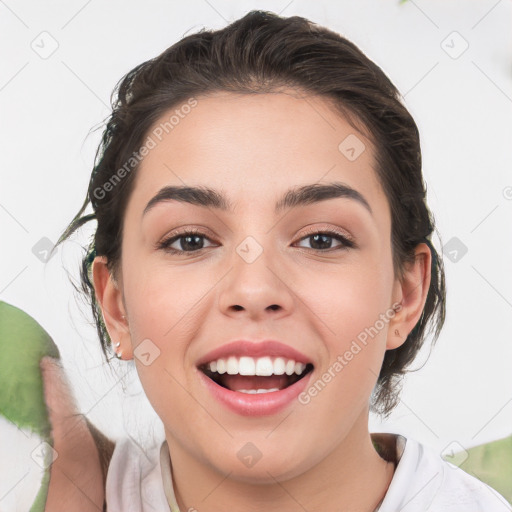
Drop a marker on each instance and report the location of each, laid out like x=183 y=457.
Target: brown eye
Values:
x=186 y=242
x=323 y=241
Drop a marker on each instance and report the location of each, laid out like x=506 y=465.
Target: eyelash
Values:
x=345 y=241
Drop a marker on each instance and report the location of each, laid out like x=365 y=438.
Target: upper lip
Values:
x=254 y=349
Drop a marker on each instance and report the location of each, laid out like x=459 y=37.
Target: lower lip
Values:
x=258 y=404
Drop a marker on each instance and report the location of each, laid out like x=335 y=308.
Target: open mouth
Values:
x=255 y=375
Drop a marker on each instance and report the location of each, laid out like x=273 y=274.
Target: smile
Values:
x=255 y=379
x=255 y=375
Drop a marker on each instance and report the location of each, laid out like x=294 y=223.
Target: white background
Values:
x=462 y=106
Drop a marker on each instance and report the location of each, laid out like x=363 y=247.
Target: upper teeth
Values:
x=262 y=366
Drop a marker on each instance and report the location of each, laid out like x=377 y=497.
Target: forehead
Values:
x=253 y=147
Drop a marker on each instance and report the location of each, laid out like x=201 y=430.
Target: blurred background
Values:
x=452 y=62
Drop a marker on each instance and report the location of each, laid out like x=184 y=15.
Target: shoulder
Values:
x=423 y=481
x=460 y=491
x=134 y=479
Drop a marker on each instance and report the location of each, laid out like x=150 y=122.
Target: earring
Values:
x=397 y=332
x=118 y=353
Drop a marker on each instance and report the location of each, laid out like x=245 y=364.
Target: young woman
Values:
x=263 y=253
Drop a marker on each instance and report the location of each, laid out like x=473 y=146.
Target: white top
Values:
x=141 y=481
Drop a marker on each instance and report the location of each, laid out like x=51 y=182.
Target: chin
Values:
x=264 y=466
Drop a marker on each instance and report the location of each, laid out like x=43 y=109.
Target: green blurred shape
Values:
x=40 y=501
x=492 y=464
x=23 y=342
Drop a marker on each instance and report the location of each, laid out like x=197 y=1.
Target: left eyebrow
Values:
x=298 y=196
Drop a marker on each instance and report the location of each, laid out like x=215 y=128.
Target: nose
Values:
x=257 y=286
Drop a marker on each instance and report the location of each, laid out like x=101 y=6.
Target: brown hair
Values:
x=262 y=53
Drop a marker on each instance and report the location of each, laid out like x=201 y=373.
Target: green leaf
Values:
x=23 y=342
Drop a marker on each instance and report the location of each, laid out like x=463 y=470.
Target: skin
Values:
x=317 y=456
x=76 y=478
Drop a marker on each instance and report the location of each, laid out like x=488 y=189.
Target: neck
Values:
x=352 y=477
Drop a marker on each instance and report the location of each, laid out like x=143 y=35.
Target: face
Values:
x=261 y=282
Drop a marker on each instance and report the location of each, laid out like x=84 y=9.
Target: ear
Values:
x=110 y=299
x=410 y=294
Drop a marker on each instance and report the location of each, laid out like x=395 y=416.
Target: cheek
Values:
x=354 y=332
x=161 y=299
x=352 y=298
x=354 y=313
